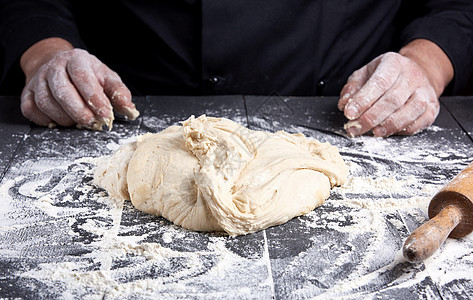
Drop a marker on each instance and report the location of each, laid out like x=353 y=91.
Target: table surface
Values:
x=62 y=237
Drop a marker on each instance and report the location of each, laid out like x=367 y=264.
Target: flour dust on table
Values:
x=212 y=174
x=61 y=237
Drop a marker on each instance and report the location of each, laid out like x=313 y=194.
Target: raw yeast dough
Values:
x=212 y=174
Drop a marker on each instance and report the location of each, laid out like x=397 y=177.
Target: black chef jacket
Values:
x=190 y=47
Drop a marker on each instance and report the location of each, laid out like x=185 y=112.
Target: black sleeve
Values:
x=449 y=24
x=23 y=23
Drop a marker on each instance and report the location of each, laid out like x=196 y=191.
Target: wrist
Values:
x=40 y=53
x=432 y=60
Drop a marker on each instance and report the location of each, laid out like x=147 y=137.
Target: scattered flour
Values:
x=125 y=254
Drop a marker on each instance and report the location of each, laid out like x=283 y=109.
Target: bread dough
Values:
x=212 y=174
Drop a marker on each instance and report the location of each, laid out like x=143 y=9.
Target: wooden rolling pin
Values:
x=450 y=213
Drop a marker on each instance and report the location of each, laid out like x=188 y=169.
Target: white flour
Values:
x=129 y=255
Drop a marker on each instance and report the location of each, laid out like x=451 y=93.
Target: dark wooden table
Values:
x=62 y=237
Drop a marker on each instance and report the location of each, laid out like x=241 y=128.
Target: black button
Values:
x=320 y=88
x=213 y=80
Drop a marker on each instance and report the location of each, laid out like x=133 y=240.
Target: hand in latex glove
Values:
x=68 y=87
x=391 y=94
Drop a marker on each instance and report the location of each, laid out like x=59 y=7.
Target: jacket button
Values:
x=320 y=88
x=213 y=80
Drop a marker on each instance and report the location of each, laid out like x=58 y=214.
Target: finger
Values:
x=387 y=105
x=353 y=85
x=31 y=111
x=418 y=125
x=402 y=118
x=381 y=80
x=119 y=95
x=46 y=102
x=83 y=76
x=424 y=120
x=69 y=99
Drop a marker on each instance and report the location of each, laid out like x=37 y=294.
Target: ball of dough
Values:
x=212 y=174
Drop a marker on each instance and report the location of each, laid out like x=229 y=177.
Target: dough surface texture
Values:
x=212 y=174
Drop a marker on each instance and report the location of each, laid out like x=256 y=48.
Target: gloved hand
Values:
x=68 y=86
x=389 y=95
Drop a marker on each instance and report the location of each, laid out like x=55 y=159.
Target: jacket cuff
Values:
x=18 y=40
x=456 y=44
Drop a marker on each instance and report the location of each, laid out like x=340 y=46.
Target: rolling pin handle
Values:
x=428 y=238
